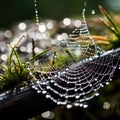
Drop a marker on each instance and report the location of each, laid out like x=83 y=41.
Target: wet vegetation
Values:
x=17 y=72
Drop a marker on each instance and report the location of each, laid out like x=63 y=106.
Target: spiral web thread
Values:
x=79 y=81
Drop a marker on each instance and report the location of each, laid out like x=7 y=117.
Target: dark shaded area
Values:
x=12 y=11
x=28 y=103
x=24 y=104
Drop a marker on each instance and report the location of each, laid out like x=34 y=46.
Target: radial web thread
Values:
x=78 y=80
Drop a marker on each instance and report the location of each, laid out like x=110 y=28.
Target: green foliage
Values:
x=53 y=59
x=15 y=72
x=112 y=26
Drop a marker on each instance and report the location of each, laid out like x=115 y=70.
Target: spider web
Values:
x=77 y=78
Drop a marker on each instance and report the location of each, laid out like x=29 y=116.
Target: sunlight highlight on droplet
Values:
x=42 y=27
x=8 y=34
x=37 y=50
x=106 y=105
x=77 y=23
x=67 y=21
x=23 y=49
x=22 y=26
x=93 y=12
x=69 y=106
x=50 y=25
x=36 y=12
x=29 y=48
x=48 y=115
x=2 y=48
x=4 y=57
x=59 y=37
x=64 y=36
x=85 y=105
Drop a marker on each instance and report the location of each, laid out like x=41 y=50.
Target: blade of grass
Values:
x=109 y=18
x=40 y=54
x=109 y=27
x=111 y=21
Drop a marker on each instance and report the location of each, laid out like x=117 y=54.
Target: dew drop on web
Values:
x=36 y=12
x=75 y=83
x=93 y=12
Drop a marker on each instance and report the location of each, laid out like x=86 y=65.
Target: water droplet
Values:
x=52 y=81
x=90 y=58
x=48 y=87
x=106 y=105
x=81 y=89
x=114 y=67
x=33 y=87
x=22 y=26
x=94 y=89
x=75 y=89
x=90 y=85
x=93 y=12
x=38 y=82
x=81 y=104
x=63 y=72
x=77 y=23
x=97 y=94
x=68 y=81
x=95 y=79
x=38 y=91
x=50 y=25
x=36 y=88
x=76 y=104
x=69 y=106
x=77 y=96
x=107 y=83
x=81 y=100
x=83 y=93
x=67 y=21
x=48 y=96
x=101 y=85
x=110 y=79
x=46 y=115
x=67 y=89
x=67 y=69
x=85 y=105
x=66 y=96
x=58 y=102
x=44 y=83
x=44 y=92
x=55 y=84
x=36 y=12
x=42 y=27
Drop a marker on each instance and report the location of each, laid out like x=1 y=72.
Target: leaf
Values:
x=111 y=25
x=40 y=54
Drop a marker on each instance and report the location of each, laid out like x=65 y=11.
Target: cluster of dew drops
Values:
x=39 y=85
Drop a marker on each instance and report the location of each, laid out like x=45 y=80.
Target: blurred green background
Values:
x=107 y=105
x=17 y=10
